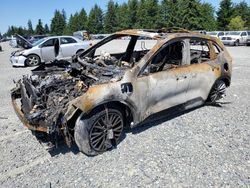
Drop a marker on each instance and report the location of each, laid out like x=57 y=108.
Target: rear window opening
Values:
x=199 y=51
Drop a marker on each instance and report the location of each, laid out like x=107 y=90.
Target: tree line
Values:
x=152 y=14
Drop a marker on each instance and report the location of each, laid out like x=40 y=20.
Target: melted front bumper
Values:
x=15 y=95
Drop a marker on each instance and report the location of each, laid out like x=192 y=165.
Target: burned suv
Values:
x=121 y=81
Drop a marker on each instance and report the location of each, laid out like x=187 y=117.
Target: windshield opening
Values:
x=234 y=33
x=38 y=42
x=212 y=33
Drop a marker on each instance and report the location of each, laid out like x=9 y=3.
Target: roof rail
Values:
x=175 y=30
x=168 y=30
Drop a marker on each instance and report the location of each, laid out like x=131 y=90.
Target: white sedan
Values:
x=44 y=50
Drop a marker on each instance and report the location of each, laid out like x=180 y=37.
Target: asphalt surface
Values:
x=205 y=147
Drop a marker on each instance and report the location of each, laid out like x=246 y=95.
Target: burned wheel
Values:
x=100 y=132
x=217 y=92
x=33 y=60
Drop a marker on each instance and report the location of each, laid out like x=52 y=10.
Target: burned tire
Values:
x=217 y=92
x=97 y=134
x=33 y=60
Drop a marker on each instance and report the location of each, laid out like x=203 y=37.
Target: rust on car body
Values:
x=182 y=67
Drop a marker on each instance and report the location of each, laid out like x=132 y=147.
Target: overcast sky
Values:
x=16 y=12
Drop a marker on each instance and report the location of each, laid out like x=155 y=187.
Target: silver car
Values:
x=218 y=34
x=237 y=38
x=44 y=50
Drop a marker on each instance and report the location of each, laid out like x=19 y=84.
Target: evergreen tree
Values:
x=168 y=13
x=208 y=21
x=190 y=15
x=67 y=30
x=153 y=14
x=163 y=13
x=148 y=14
x=21 y=31
x=224 y=14
x=39 y=28
x=130 y=13
x=46 y=29
x=110 y=20
x=30 y=27
x=95 y=20
x=242 y=10
x=82 y=20
x=64 y=15
x=141 y=21
x=123 y=17
x=58 y=23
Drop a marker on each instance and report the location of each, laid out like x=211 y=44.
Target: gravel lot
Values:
x=208 y=146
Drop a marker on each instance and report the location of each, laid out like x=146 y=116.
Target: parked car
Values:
x=13 y=42
x=97 y=37
x=43 y=50
x=236 y=38
x=92 y=99
x=4 y=39
x=82 y=35
x=34 y=38
x=217 y=34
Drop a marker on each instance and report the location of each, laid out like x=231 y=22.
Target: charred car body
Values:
x=92 y=98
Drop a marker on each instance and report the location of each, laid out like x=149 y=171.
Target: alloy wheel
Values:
x=33 y=60
x=218 y=91
x=106 y=130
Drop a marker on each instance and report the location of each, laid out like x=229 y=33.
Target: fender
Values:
x=99 y=95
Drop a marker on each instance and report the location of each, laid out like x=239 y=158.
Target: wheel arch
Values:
x=30 y=55
x=80 y=50
x=225 y=79
x=126 y=108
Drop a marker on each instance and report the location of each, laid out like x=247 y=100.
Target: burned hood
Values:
x=46 y=94
x=24 y=43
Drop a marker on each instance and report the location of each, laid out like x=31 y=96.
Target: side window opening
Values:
x=170 y=56
x=221 y=34
x=199 y=51
x=129 y=52
x=67 y=40
x=49 y=43
x=244 y=34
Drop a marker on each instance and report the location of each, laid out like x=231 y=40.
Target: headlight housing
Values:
x=18 y=53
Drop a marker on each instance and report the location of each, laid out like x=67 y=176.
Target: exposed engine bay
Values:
x=46 y=93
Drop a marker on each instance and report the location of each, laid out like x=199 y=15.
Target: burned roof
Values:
x=161 y=34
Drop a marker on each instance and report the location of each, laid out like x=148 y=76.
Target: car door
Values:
x=202 y=69
x=166 y=78
x=68 y=46
x=47 y=49
x=243 y=37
